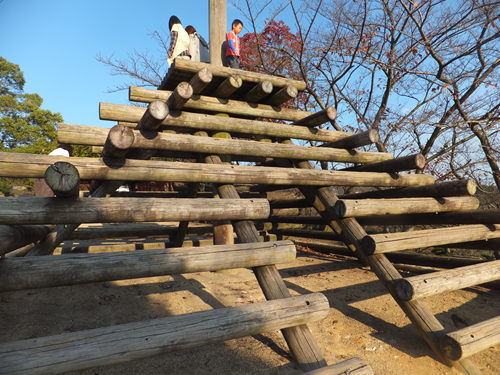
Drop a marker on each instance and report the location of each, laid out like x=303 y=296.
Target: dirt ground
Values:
x=364 y=321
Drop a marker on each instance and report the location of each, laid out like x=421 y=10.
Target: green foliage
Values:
x=24 y=126
x=84 y=151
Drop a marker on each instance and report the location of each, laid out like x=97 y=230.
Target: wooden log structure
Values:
x=73 y=269
x=404 y=163
x=326 y=115
x=383 y=243
x=186 y=143
x=442 y=189
x=471 y=340
x=228 y=87
x=12 y=165
x=125 y=342
x=197 y=121
x=352 y=366
x=84 y=210
x=217 y=104
x=356 y=140
x=118 y=141
x=199 y=81
x=63 y=178
x=439 y=282
x=182 y=93
x=282 y=96
x=153 y=116
x=366 y=207
x=13 y=237
x=261 y=90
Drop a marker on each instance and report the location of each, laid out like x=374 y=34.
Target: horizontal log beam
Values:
x=198 y=121
x=417 y=287
x=213 y=105
x=119 y=210
x=405 y=163
x=78 y=134
x=442 y=189
x=131 y=341
x=383 y=243
x=73 y=269
x=16 y=165
x=471 y=340
x=366 y=207
x=13 y=237
x=356 y=140
x=326 y=115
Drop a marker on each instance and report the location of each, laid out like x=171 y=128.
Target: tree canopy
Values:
x=24 y=126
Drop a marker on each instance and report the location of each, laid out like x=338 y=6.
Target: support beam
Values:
x=471 y=340
x=261 y=90
x=354 y=141
x=119 y=210
x=153 y=116
x=182 y=93
x=352 y=366
x=404 y=163
x=326 y=115
x=64 y=180
x=13 y=237
x=284 y=95
x=118 y=141
x=389 y=242
x=417 y=287
x=228 y=87
x=199 y=81
x=74 y=269
x=131 y=341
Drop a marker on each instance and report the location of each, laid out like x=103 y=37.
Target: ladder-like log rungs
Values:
x=238 y=147
x=422 y=286
x=72 y=269
x=383 y=243
x=29 y=210
x=471 y=340
x=397 y=206
x=126 y=342
x=212 y=105
x=34 y=166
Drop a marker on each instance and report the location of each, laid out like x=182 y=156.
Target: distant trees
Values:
x=24 y=126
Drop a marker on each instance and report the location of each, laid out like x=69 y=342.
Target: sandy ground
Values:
x=364 y=321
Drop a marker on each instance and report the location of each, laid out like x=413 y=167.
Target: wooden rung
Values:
x=28 y=210
x=34 y=166
x=384 y=243
x=126 y=342
x=366 y=207
x=471 y=340
x=71 y=269
x=352 y=366
x=427 y=285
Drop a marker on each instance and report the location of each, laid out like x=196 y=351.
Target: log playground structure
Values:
x=207 y=118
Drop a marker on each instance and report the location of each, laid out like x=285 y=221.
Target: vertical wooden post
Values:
x=218 y=25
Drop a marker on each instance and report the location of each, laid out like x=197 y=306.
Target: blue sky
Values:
x=55 y=42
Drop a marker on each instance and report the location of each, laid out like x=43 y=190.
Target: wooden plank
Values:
x=29 y=210
x=352 y=366
x=126 y=342
x=366 y=207
x=471 y=340
x=34 y=166
x=389 y=242
x=73 y=269
x=421 y=286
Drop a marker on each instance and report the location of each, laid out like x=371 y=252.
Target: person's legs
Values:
x=233 y=62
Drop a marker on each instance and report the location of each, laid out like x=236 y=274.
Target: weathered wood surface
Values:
x=118 y=141
x=199 y=81
x=366 y=207
x=182 y=93
x=323 y=199
x=78 y=134
x=352 y=366
x=416 y=287
x=217 y=15
x=442 y=189
x=13 y=237
x=282 y=96
x=357 y=140
x=401 y=164
x=115 y=210
x=326 y=115
x=228 y=87
x=17 y=165
x=199 y=121
x=214 y=105
x=383 y=243
x=153 y=116
x=261 y=90
x=126 y=342
x=63 y=178
x=72 y=269
x=471 y=340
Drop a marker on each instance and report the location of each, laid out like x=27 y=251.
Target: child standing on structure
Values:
x=233 y=45
x=179 y=41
